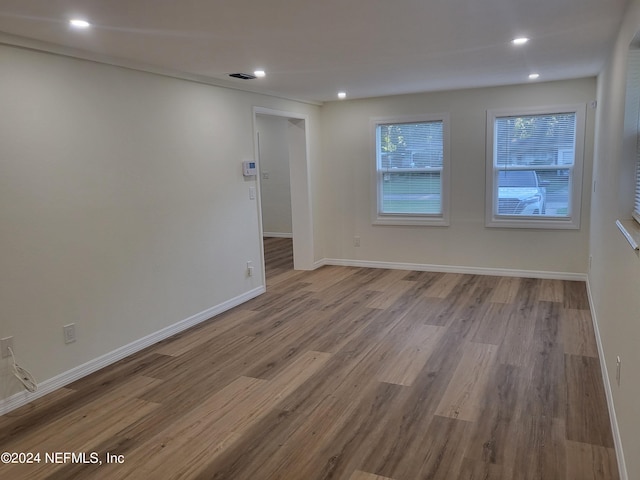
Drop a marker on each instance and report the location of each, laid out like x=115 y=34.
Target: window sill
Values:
x=409 y=220
x=548 y=223
x=631 y=231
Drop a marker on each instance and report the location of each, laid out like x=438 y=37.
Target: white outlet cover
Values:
x=69 y=333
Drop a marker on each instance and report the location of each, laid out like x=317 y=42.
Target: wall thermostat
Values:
x=249 y=168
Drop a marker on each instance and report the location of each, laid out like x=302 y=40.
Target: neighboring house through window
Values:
x=411 y=170
x=534 y=167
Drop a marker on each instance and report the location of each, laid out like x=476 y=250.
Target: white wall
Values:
x=123 y=208
x=615 y=271
x=275 y=186
x=347 y=162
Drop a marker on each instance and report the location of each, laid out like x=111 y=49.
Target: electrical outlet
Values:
x=250 y=268
x=5 y=345
x=618 y=367
x=356 y=241
x=69 y=333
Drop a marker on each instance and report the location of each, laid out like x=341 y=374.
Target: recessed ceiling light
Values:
x=520 y=40
x=79 y=23
x=259 y=73
x=342 y=95
x=533 y=76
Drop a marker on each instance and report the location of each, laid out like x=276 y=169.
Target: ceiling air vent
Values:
x=243 y=76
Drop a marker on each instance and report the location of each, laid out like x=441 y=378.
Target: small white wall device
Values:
x=249 y=168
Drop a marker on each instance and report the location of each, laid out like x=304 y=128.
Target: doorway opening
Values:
x=281 y=142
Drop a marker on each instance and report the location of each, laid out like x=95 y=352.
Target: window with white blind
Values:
x=636 y=203
x=534 y=167
x=411 y=175
x=631 y=141
x=629 y=165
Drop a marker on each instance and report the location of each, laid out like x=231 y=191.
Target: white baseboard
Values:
x=503 y=272
x=277 y=235
x=48 y=386
x=617 y=441
x=319 y=263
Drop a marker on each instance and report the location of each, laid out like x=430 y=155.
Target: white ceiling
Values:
x=311 y=49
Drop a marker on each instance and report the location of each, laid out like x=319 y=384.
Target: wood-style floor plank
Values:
x=575 y=295
x=463 y=397
x=507 y=290
x=442 y=288
x=551 y=290
x=590 y=462
x=351 y=374
x=214 y=425
x=473 y=470
x=358 y=475
x=519 y=331
x=587 y=415
x=79 y=430
x=492 y=326
x=494 y=431
x=185 y=342
x=390 y=294
x=410 y=354
x=577 y=333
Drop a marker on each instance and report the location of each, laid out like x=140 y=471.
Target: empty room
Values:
x=306 y=240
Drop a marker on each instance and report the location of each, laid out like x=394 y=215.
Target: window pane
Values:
x=631 y=132
x=534 y=167
x=636 y=202
x=534 y=192
x=535 y=140
x=410 y=162
x=411 y=192
x=406 y=145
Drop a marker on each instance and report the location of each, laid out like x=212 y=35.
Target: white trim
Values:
x=439 y=220
x=617 y=441
x=65 y=378
x=277 y=235
x=279 y=113
x=492 y=219
x=502 y=272
x=300 y=173
x=631 y=231
x=320 y=263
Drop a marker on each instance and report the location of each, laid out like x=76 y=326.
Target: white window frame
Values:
x=379 y=218
x=631 y=134
x=572 y=221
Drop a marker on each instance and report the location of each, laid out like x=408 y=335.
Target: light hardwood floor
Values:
x=346 y=373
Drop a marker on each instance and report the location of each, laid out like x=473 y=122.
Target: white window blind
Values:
x=532 y=180
x=534 y=160
x=636 y=203
x=410 y=170
x=632 y=118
